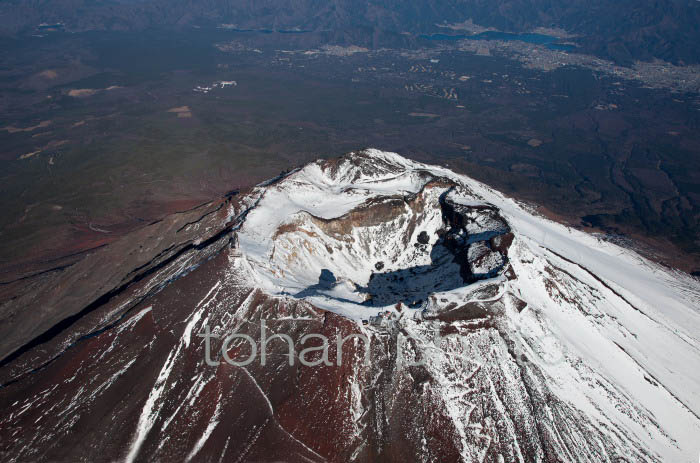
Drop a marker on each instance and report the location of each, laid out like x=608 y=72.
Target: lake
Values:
x=538 y=39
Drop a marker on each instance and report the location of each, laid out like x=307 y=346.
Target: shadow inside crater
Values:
x=326 y=281
x=411 y=286
x=453 y=262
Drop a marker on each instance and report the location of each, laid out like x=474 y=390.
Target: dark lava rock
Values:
x=423 y=238
x=379 y=265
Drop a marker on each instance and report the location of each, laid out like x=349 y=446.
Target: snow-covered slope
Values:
x=617 y=336
x=523 y=340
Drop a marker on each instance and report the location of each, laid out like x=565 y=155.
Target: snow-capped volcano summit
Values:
x=398 y=234
x=495 y=335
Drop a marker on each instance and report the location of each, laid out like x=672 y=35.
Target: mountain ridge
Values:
x=628 y=31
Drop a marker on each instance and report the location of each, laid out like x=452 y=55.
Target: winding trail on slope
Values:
x=272 y=412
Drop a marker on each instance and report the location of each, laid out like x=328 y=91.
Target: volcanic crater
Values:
x=371 y=244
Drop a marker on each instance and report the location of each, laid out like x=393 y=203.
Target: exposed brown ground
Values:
x=13 y=129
